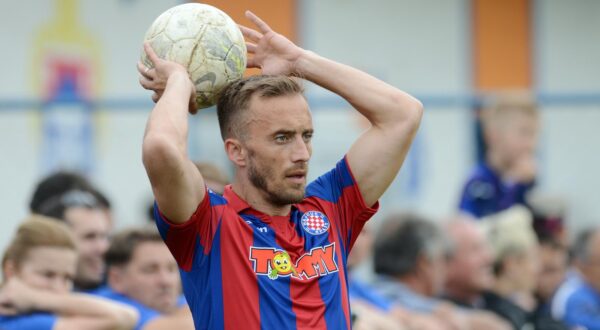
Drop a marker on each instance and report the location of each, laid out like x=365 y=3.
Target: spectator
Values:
x=142 y=273
x=553 y=258
x=38 y=268
x=91 y=225
x=508 y=170
x=469 y=267
x=410 y=257
x=582 y=305
x=516 y=267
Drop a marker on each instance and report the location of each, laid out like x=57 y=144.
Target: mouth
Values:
x=297 y=177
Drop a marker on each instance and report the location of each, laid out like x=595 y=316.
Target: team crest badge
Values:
x=314 y=222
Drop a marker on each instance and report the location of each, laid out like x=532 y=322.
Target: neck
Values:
x=257 y=199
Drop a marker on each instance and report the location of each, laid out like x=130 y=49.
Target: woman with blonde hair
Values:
x=38 y=268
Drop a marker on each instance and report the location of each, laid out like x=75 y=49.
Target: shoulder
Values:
x=330 y=185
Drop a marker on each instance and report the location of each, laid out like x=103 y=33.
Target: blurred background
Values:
x=70 y=98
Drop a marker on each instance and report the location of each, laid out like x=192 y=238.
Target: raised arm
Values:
x=176 y=182
x=376 y=157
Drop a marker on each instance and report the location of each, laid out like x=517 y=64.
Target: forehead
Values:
x=85 y=220
x=151 y=251
x=279 y=113
x=57 y=259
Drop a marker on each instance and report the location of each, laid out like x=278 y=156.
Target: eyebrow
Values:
x=291 y=132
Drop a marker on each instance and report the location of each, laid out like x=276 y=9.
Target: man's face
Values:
x=435 y=273
x=279 y=147
x=553 y=267
x=591 y=267
x=151 y=277
x=49 y=268
x=470 y=267
x=91 y=229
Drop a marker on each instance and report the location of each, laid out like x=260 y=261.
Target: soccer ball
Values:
x=203 y=39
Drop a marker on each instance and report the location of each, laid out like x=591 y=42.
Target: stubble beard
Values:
x=279 y=195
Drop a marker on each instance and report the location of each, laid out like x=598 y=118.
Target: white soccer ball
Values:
x=203 y=39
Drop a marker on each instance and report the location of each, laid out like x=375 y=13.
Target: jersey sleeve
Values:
x=195 y=235
x=337 y=191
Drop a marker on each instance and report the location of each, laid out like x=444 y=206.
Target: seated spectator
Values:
x=469 y=273
x=516 y=267
x=142 y=273
x=38 y=269
x=553 y=258
x=507 y=172
x=90 y=225
x=410 y=257
x=370 y=310
x=582 y=293
x=60 y=182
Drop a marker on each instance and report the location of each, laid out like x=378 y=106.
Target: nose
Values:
x=301 y=150
x=167 y=278
x=101 y=245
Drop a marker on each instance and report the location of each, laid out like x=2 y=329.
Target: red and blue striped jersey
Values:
x=242 y=269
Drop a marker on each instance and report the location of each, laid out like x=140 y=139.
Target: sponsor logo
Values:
x=320 y=261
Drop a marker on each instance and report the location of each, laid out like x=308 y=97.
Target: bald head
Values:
x=469 y=270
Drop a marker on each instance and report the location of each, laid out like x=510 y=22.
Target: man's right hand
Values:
x=155 y=78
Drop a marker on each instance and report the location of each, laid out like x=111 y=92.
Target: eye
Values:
x=278 y=262
x=281 y=138
x=307 y=136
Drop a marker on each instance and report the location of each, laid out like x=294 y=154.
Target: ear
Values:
x=236 y=152
x=9 y=269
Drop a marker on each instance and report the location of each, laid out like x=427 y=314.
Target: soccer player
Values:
x=271 y=253
x=38 y=269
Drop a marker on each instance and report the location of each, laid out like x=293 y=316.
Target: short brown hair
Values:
x=37 y=231
x=124 y=243
x=504 y=104
x=236 y=96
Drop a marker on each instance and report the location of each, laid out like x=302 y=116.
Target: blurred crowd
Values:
x=504 y=260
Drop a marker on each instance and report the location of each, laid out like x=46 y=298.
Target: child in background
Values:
x=507 y=172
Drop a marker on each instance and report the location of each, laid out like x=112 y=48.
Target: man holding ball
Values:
x=271 y=252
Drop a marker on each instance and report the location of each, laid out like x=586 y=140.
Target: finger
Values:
x=144 y=70
x=156 y=96
x=250 y=33
x=252 y=63
x=193 y=109
x=262 y=26
x=250 y=47
x=146 y=83
x=151 y=54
